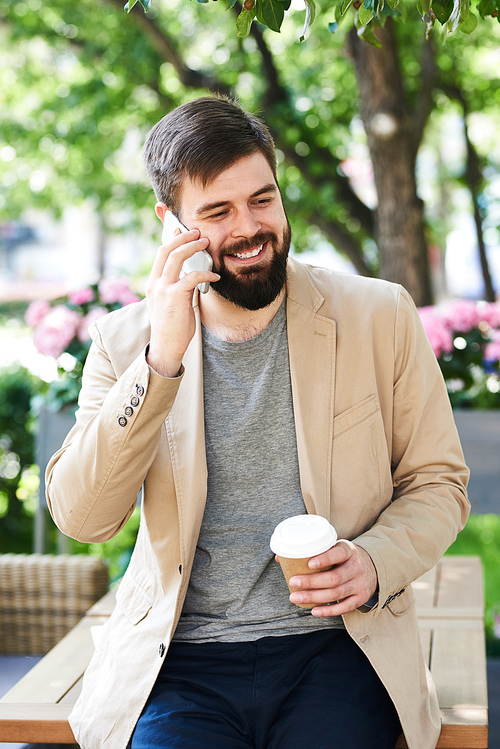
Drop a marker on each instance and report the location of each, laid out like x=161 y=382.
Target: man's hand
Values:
x=170 y=302
x=346 y=578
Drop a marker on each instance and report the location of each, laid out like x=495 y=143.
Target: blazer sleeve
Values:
x=94 y=479
x=429 y=504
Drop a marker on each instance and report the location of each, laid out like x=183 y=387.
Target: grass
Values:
x=481 y=537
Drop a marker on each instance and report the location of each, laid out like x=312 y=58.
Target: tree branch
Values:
x=166 y=49
x=474 y=179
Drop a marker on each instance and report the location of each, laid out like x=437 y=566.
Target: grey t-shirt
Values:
x=237 y=591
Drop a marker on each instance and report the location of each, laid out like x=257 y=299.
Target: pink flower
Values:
x=82 y=296
x=461 y=315
x=130 y=298
x=116 y=290
x=85 y=323
x=56 y=331
x=492 y=350
x=489 y=313
x=36 y=312
x=438 y=333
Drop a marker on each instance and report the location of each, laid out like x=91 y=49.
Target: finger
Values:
x=338 y=608
x=335 y=555
x=178 y=239
x=324 y=595
x=190 y=281
x=178 y=256
x=327 y=579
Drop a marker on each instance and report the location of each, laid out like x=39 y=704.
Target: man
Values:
x=283 y=390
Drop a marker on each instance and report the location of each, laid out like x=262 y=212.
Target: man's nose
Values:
x=245 y=225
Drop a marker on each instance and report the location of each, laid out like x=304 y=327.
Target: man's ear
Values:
x=160 y=210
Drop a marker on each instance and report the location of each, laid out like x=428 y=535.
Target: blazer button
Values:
x=134 y=401
x=129 y=411
x=139 y=389
x=161 y=650
x=122 y=421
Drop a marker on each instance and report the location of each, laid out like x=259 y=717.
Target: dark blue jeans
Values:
x=316 y=690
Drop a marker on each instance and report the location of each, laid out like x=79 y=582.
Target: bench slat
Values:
x=35 y=723
x=424 y=590
x=458 y=666
x=57 y=672
x=460 y=583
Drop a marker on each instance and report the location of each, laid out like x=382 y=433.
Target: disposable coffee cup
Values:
x=297 y=539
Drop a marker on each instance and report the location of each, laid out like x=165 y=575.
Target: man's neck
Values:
x=232 y=323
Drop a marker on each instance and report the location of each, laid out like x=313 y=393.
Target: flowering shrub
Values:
x=465 y=337
x=61 y=330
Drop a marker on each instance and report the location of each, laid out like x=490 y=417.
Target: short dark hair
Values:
x=199 y=140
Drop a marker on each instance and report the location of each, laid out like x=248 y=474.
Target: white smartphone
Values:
x=199 y=261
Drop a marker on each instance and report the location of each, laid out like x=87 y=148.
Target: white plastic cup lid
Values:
x=302 y=536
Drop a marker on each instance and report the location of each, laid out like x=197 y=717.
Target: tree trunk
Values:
x=474 y=177
x=393 y=140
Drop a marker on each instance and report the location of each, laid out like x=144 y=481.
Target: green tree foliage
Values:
x=450 y=14
x=83 y=82
x=17 y=457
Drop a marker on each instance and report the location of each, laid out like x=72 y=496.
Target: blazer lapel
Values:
x=311 y=343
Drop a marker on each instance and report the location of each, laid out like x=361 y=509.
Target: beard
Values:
x=253 y=287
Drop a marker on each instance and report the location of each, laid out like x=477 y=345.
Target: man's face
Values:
x=242 y=215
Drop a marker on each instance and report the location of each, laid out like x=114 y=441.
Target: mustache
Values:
x=247 y=244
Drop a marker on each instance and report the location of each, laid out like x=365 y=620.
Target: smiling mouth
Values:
x=250 y=254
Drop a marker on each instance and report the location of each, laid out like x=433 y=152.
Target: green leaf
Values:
x=310 y=15
x=332 y=27
x=365 y=16
x=470 y=23
x=486 y=7
x=391 y=12
x=230 y=4
x=244 y=22
x=345 y=6
x=392 y=3
x=146 y=4
x=272 y=13
x=367 y=34
x=426 y=6
x=442 y=10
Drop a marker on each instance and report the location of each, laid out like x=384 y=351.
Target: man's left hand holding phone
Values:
x=169 y=292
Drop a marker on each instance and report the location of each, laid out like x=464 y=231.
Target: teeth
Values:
x=245 y=255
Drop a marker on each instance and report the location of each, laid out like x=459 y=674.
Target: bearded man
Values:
x=284 y=390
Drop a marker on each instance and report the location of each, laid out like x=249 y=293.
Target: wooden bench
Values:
x=450 y=610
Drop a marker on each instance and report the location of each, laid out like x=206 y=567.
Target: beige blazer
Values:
x=379 y=457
